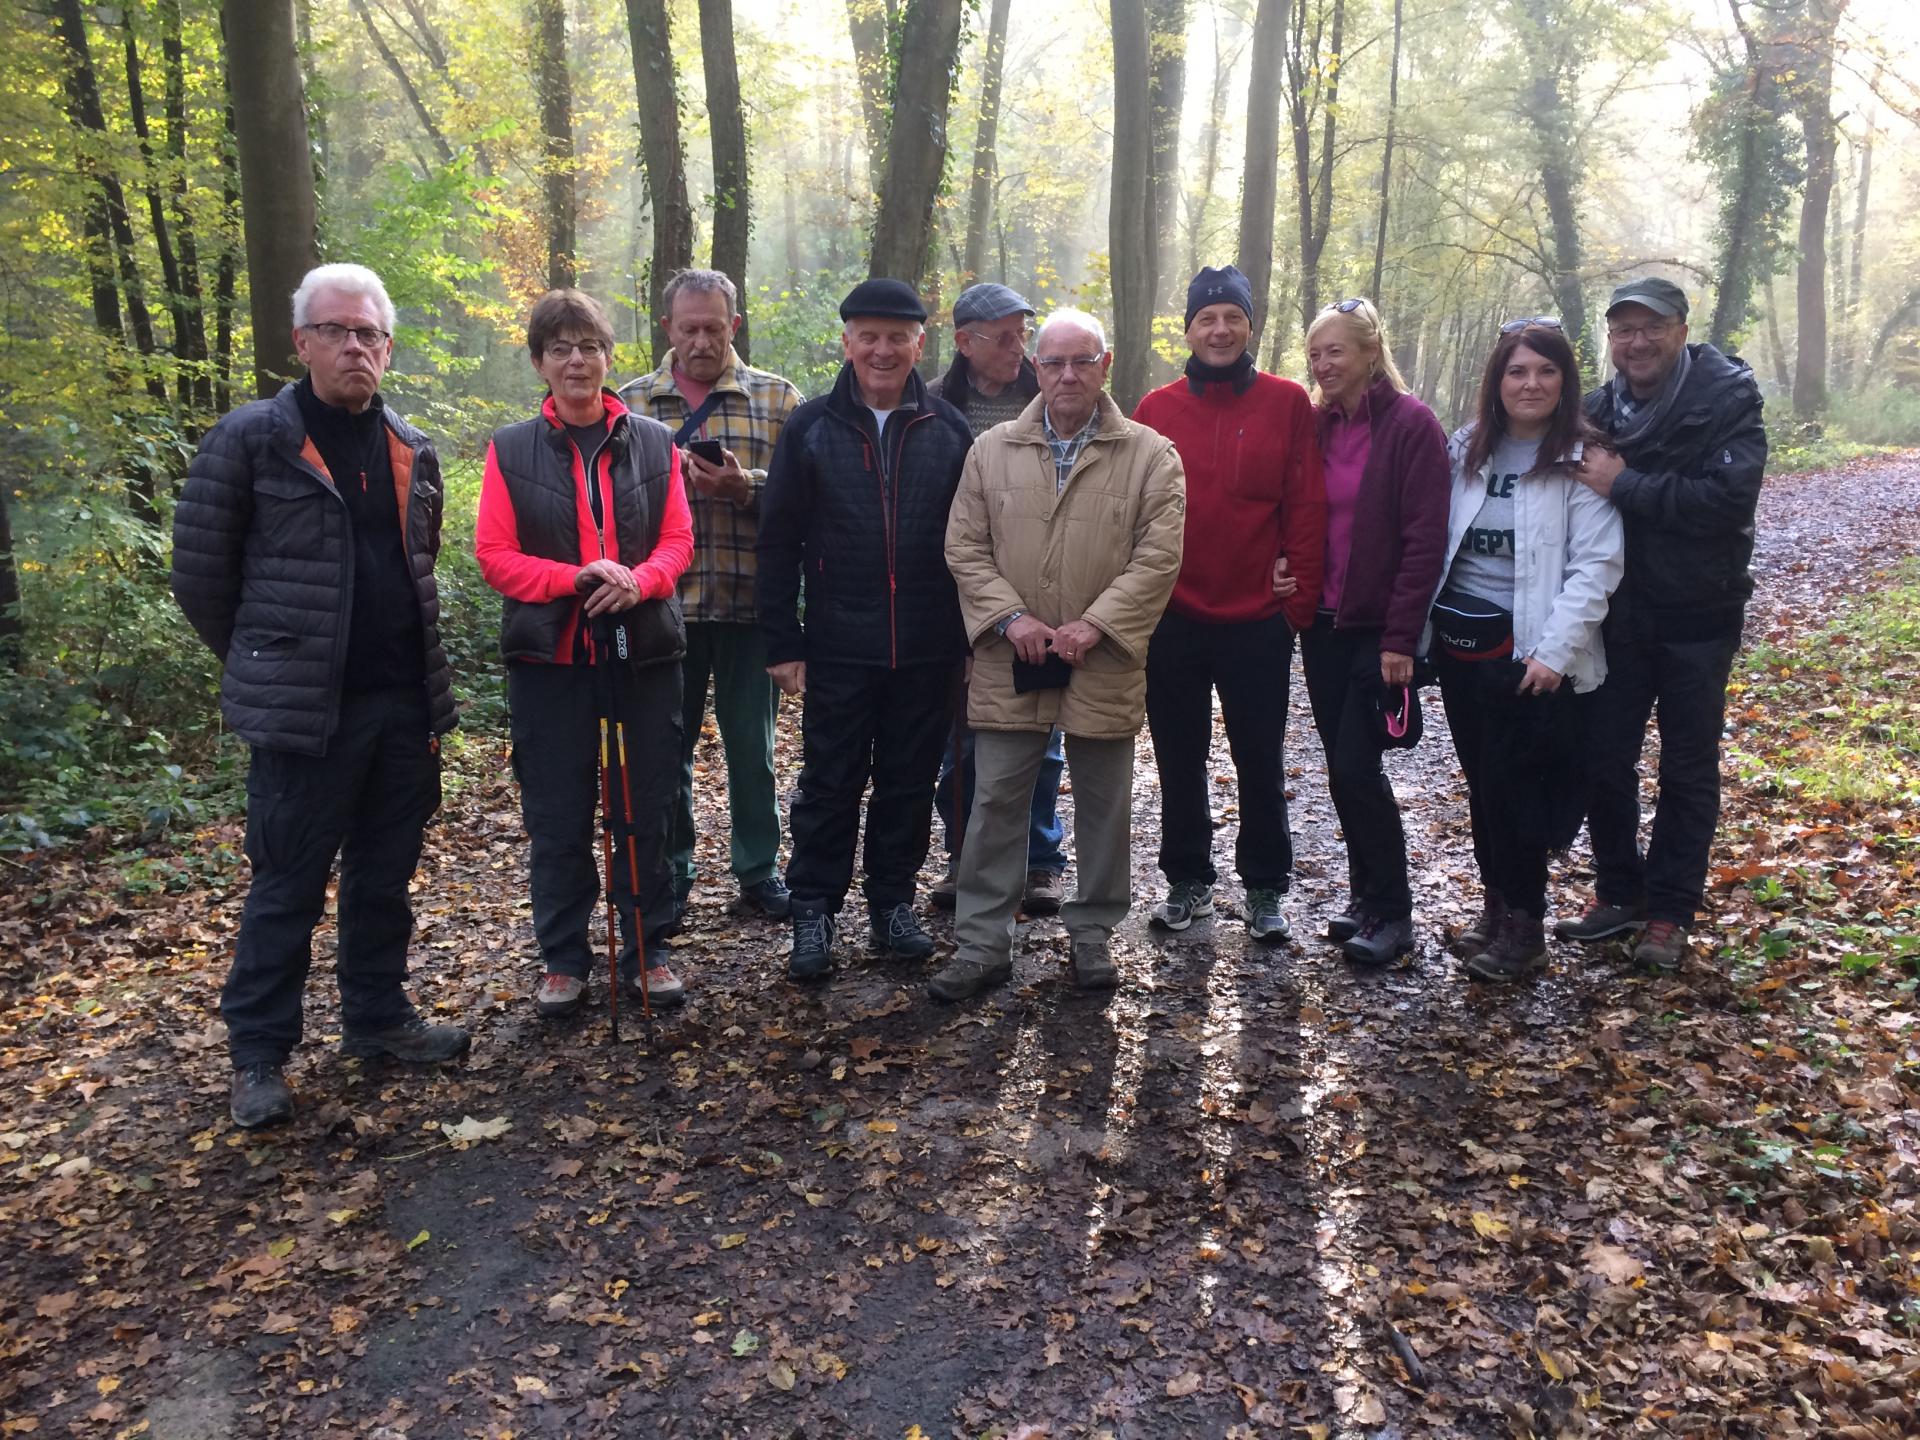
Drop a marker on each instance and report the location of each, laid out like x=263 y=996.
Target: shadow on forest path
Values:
x=1236 y=1198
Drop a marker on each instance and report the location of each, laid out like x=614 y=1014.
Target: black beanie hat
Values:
x=1225 y=286
x=884 y=299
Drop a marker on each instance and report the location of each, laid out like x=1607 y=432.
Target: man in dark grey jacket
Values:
x=1684 y=453
x=303 y=549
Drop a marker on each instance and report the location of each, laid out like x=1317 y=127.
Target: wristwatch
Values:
x=1000 y=628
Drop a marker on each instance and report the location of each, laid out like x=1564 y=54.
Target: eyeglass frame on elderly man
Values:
x=333 y=334
x=1053 y=363
x=1013 y=339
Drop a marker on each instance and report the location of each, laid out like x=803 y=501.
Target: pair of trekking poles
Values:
x=618 y=832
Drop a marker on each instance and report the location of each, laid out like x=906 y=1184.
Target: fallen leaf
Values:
x=1183 y=1384
x=781 y=1376
x=1490 y=1226
x=470 y=1130
x=417 y=1241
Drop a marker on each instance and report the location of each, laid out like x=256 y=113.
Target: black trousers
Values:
x=1369 y=815
x=366 y=800
x=1248 y=663
x=861 y=723
x=1684 y=683
x=1480 y=712
x=556 y=758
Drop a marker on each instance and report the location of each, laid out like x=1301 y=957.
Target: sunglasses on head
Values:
x=1346 y=307
x=1544 y=322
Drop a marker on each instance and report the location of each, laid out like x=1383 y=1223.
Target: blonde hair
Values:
x=1363 y=324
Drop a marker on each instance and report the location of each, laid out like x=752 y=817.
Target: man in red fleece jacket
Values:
x=1256 y=537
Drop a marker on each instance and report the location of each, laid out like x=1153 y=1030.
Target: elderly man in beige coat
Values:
x=1065 y=542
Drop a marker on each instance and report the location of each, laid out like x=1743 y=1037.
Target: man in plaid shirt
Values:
x=703 y=391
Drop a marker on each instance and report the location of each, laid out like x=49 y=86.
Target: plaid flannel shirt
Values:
x=1066 y=453
x=754 y=406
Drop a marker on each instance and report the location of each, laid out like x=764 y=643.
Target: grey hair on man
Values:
x=1079 y=320
x=701 y=282
x=343 y=280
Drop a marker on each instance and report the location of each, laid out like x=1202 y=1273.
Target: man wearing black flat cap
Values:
x=856 y=502
x=1686 y=449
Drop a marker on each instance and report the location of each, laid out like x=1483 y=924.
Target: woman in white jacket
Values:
x=1516 y=630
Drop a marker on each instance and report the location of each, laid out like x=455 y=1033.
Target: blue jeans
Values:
x=1045 y=833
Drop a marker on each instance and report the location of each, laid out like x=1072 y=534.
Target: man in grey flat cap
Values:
x=990 y=382
x=1685 y=450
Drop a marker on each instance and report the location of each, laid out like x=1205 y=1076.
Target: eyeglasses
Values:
x=1652 y=330
x=1012 y=340
x=563 y=349
x=330 y=333
x=1055 y=364
x=1543 y=322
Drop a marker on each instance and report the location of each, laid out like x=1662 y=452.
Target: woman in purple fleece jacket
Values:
x=1388 y=487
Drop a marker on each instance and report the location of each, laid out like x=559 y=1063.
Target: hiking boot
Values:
x=945 y=894
x=1478 y=938
x=1601 y=922
x=1662 y=947
x=1093 y=967
x=812 y=957
x=1347 y=923
x=413 y=1040
x=1187 y=901
x=1046 y=889
x=897 y=935
x=665 y=990
x=260 y=1096
x=1266 y=920
x=769 y=896
x=1519 y=949
x=1379 y=942
x=962 y=979
x=558 y=995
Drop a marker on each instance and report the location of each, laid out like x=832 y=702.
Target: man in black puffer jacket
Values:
x=303 y=551
x=1689 y=448
x=856 y=501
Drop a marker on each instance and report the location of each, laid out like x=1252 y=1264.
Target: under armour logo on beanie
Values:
x=1225 y=286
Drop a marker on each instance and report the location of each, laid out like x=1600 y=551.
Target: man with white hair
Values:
x=856 y=505
x=1065 y=541
x=303 y=553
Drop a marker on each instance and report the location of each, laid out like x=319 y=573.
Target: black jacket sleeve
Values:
x=1716 y=496
x=210 y=529
x=786 y=504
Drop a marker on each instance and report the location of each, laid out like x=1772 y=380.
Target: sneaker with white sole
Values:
x=1187 y=901
x=1266 y=916
x=558 y=995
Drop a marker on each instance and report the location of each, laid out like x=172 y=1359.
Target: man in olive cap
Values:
x=856 y=501
x=1686 y=448
x=991 y=381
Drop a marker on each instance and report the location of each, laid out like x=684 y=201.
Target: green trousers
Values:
x=734 y=658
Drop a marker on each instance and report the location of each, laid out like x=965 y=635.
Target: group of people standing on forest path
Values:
x=1003 y=543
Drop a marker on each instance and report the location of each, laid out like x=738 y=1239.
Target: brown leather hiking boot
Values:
x=1518 y=950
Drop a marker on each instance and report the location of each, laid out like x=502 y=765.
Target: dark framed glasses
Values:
x=1544 y=322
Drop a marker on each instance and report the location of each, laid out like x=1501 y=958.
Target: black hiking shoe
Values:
x=414 y=1041
x=1478 y=937
x=769 y=896
x=1602 y=922
x=812 y=957
x=1517 y=951
x=260 y=1096
x=1345 y=925
x=897 y=934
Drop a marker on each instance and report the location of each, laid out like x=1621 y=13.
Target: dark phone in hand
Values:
x=711 y=451
x=1052 y=673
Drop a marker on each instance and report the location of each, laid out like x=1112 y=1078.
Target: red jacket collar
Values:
x=615 y=407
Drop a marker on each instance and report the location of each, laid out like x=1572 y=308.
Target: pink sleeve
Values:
x=661 y=570
x=496 y=545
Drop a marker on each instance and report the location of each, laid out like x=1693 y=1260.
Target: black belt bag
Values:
x=1468 y=628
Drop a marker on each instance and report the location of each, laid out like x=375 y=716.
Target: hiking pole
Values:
x=633 y=879
x=601 y=687
x=620 y=823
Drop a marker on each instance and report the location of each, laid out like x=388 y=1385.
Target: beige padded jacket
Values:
x=1105 y=548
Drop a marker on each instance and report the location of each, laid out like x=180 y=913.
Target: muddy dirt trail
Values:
x=1255 y=1192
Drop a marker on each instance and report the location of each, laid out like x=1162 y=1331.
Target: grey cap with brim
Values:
x=984 y=303
x=1663 y=297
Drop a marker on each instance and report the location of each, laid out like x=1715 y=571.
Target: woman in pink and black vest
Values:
x=583 y=526
x=1388 y=483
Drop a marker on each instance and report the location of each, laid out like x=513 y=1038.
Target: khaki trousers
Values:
x=993 y=862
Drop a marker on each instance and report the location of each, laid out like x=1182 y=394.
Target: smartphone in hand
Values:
x=711 y=451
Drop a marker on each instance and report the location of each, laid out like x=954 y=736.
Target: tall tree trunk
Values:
x=276 y=175
x=1313 y=86
x=227 y=267
x=150 y=182
x=1130 y=210
x=1167 y=83
x=1386 y=153
x=1857 y=263
x=1552 y=73
x=410 y=90
x=916 y=139
x=1199 y=200
x=1813 y=98
x=196 y=386
x=870 y=25
x=1260 y=183
x=1776 y=351
x=657 y=89
x=732 y=211
x=981 y=194
x=555 y=86
x=1741 y=241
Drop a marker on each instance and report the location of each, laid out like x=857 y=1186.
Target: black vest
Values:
x=536 y=461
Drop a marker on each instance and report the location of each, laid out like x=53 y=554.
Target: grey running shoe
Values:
x=1379 y=942
x=1266 y=920
x=1187 y=901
